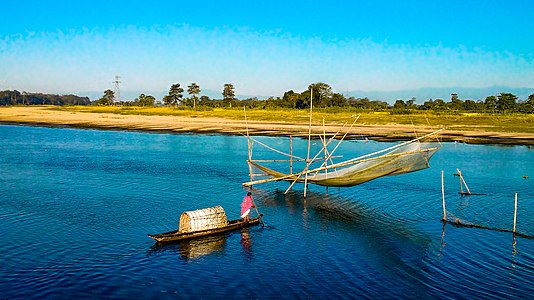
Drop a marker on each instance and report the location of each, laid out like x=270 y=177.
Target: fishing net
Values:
x=404 y=158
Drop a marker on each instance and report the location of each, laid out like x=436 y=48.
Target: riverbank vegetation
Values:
x=499 y=113
x=323 y=97
x=24 y=98
x=498 y=122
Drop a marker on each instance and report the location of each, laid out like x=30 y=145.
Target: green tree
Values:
x=378 y=105
x=175 y=95
x=427 y=105
x=506 y=102
x=290 y=99
x=338 y=100
x=399 y=104
x=491 y=103
x=144 y=100
x=322 y=94
x=456 y=103
x=107 y=99
x=193 y=89
x=529 y=104
x=303 y=100
x=410 y=104
x=440 y=104
x=228 y=94
x=360 y=103
x=481 y=105
x=470 y=105
x=205 y=101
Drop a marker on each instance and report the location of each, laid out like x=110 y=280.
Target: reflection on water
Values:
x=194 y=248
x=344 y=212
x=246 y=243
x=202 y=246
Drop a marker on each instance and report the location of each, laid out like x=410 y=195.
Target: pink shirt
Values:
x=246 y=204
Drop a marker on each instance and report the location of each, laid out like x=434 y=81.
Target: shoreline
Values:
x=44 y=117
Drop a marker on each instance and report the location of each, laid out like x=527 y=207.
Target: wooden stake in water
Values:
x=249 y=145
x=290 y=154
x=515 y=211
x=309 y=144
x=462 y=182
x=325 y=153
x=443 y=197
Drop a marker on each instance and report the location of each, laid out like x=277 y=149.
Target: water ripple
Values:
x=75 y=207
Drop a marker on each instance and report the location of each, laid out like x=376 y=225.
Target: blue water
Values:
x=76 y=205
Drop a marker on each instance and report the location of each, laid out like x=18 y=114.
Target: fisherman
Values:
x=246 y=205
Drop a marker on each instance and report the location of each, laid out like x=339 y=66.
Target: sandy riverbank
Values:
x=42 y=116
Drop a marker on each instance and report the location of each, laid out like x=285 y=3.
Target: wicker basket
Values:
x=203 y=219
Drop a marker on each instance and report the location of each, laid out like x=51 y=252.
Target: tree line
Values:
x=17 y=98
x=323 y=97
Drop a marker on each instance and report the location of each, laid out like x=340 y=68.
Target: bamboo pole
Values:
x=515 y=211
x=339 y=143
x=392 y=155
x=324 y=147
x=272 y=149
x=360 y=158
x=309 y=143
x=288 y=160
x=396 y=146
x=325 y=153
x=249 y=146
x=308 y=164
x=462 y=181
x=443 y=197
x=257 y=212
x=290 y=154
x=322 y=167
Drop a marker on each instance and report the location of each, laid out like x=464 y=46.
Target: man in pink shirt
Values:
x=246 y=205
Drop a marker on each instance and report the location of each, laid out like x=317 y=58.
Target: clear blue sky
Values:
x=265 y=47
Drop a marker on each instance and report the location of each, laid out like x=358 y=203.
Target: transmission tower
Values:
x=117 y=90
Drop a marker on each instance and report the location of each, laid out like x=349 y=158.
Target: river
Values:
x=76 y=205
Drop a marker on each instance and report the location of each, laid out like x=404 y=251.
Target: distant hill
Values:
x=424 y=94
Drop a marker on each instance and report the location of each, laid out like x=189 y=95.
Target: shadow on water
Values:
x=192 y=249
x=347 y=214
x=389 y=243
x=202 y=246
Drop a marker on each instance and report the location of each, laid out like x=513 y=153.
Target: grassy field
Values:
x=454 y=120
